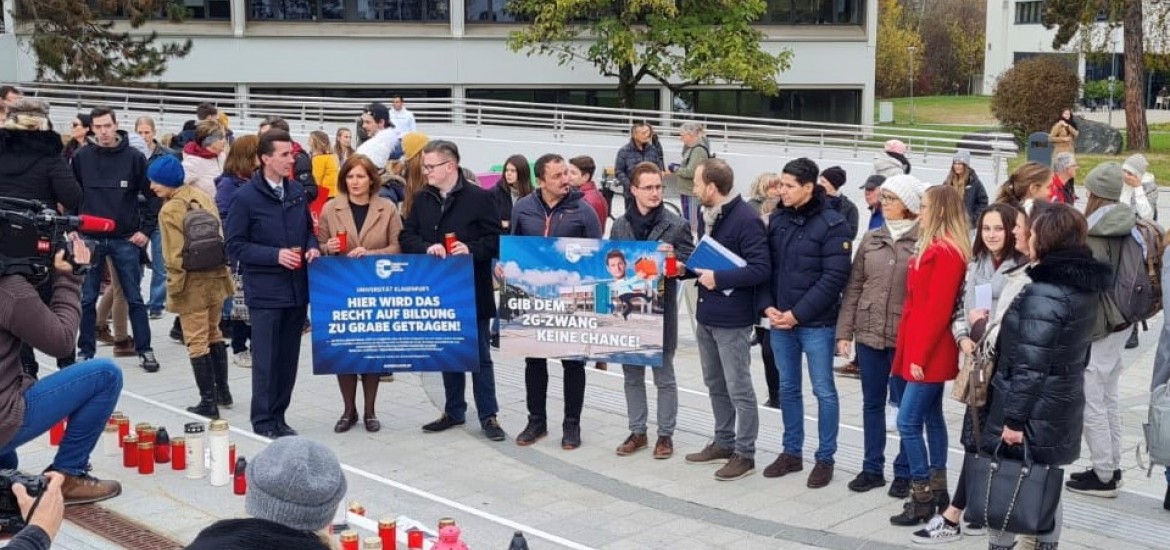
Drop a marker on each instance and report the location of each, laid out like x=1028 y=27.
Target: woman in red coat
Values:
x=926 y=356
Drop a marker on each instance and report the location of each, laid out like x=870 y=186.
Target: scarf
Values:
x=899 y=228
x=641 y=224
x=711 y=214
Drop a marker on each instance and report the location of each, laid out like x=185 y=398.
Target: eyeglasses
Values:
x=889 y=198
x=431 y=167
x=651 y=188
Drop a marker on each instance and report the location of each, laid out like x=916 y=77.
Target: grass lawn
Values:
x=956 y=111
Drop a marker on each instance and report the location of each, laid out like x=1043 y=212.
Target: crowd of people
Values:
x=941 y=278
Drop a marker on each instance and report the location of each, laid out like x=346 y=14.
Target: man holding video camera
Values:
x=85 y=393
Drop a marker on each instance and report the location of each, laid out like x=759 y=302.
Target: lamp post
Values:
x=1112 y=75
x=912 y=49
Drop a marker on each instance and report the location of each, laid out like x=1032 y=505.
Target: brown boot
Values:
x=86 y=489
x=103 y=335
x=938 y=488
x=919 y=509
x=125 y=348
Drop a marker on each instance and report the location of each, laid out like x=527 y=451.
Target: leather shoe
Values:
x=344 y=424
x=372 y=424
x=664 y=447
x=285 y=430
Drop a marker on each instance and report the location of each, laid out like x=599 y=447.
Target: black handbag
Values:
x=1012 y=495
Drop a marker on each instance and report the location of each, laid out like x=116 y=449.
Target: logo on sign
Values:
x=386 y=268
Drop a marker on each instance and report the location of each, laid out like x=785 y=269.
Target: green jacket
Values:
x=692 y=156
x=1108 y=227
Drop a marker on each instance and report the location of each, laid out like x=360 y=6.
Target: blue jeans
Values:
x=817 y=344
x=158 y=276
x=875 y=380
x=85 y=393
x=922 y=407
x=126 y=263
x=897 y=387
x=483 y=383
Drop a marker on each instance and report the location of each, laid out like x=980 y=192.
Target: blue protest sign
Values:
x=383 y=314
x=589 y=299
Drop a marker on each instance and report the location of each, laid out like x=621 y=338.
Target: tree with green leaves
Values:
x=1089 y=24
x=678 y=43
x=899 y=47
x=1029 y=95
x=75 y=41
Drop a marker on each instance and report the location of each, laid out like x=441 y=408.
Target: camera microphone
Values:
x=94 y=224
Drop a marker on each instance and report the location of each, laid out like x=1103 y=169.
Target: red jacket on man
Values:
x=924 y=334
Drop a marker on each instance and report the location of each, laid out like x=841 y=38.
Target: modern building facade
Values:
x=457 y=48
x=1015 y=31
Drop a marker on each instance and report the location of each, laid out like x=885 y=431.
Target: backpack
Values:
x=1137 y=282
x=1157 y=429
x=203 y=246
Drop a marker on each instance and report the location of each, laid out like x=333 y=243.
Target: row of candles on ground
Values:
x=148 y=446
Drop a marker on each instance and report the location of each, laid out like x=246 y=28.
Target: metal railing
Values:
x=171 y=108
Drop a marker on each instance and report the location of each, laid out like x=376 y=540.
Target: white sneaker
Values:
x=892 y=419
x=243 y=359
x=937 y=532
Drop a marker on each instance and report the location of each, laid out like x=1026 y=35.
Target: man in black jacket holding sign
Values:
x=448 y=204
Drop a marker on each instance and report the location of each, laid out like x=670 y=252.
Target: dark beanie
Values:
x=834 y=175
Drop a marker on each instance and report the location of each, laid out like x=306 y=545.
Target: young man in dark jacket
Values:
x=112 y=176
x=301 y=170
x=270 y=234
x=832 y=180
x=811 y=246
x=727 y=318
x=448 y=204
x=554 y=209
x=642 y=147
x=650 y=221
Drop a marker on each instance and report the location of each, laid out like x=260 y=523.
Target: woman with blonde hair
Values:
x=325 y=169
x=765 y=196
x=372 y=225
x=927 y=356
x=1030 y=182
x=412 y=169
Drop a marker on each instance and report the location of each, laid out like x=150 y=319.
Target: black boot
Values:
x=1132 y=342
x=204 y=369
x=572 y=438
x=938 y=488
x=177 y=331
x=1166 y=501
x=219 y=358
x=919 y=509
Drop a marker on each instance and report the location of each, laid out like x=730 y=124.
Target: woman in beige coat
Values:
x=196 y=296
x=1063 y=135
x=371 y=225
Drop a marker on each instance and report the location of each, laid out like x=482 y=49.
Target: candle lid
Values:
x=180 y=441
x=146 y=445
x=387 y=523
x=131 y=438
x=110 y=428
x=219 y=425
x=372 y=543
x=194 y=428
x=349 y=536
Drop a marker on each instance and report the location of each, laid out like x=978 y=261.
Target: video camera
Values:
x=31 y=233
x=11 y=519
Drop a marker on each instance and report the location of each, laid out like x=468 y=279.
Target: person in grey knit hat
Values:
x=294 y=487
x=1141 y=191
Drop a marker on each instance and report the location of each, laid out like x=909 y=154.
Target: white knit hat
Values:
x=908 y=190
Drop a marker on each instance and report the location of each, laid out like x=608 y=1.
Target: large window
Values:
x=196 y=9
x=348 y=10
x=643 y=99
x=1029 y=13
x=832 y=105
x=814 y=12
x=489 y=11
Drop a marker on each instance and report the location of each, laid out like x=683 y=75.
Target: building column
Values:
x=239 y=10
x=457 y=97
x=8 y=7
x=458 y=11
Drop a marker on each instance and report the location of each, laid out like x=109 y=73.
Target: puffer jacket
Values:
x=871 y=306
x=1015 y=280
x=1038 y=387
x=974 y=198
x=889 y=166
x=31 y=167
x=200 y=167
x=692 y=157
x=630 y=156
x=1109 y=226
x=810 y=248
